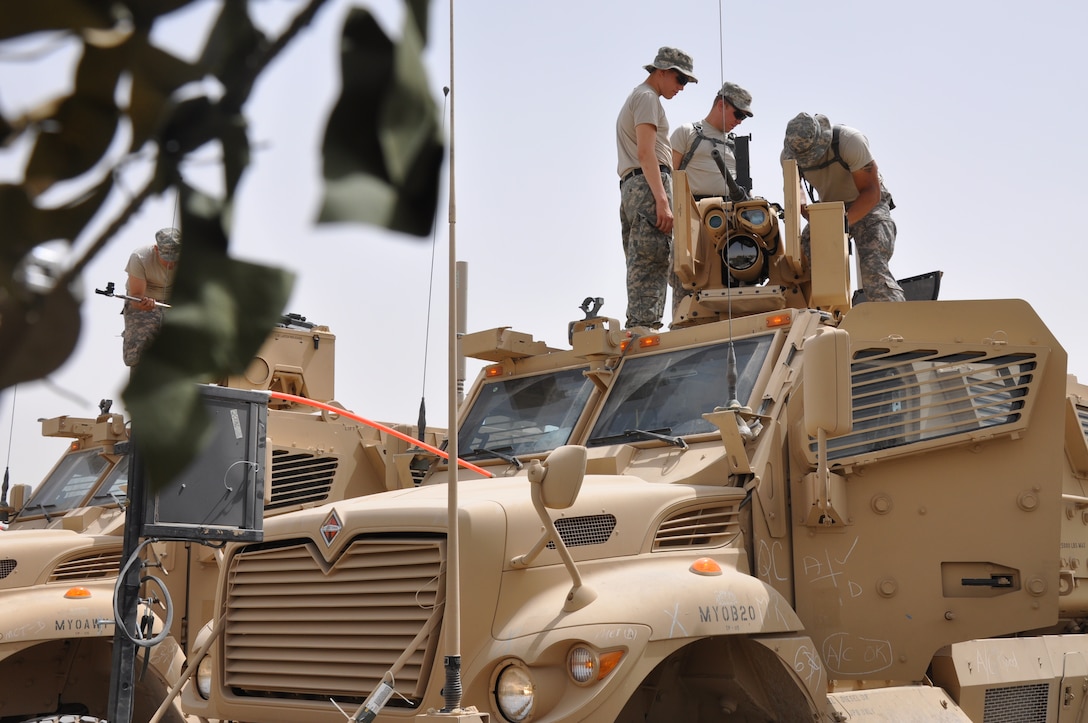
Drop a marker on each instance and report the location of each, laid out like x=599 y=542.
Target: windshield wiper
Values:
x=634 y=435
x=500 y=455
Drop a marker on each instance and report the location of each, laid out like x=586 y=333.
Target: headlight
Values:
x=582 y=664
x=204 y=677
x=515 y=693
x=586 y=666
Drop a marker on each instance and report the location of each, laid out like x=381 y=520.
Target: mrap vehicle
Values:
x=60 y=558
x=792 y=506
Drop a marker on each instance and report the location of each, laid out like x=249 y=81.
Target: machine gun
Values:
x=109 y=291
x=736 y=192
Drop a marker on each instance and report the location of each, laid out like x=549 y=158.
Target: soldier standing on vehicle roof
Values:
x=151 y=272
x=645 y=165
x=837 y=163
x=692 y=146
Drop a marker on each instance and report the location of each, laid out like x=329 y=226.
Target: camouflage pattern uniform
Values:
x=648 y=252
x=809 y=142
x=140 y=328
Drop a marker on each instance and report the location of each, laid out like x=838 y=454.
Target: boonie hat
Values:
x=807 y=138
x=737 y=97
x=673 y=59
x=169 y=242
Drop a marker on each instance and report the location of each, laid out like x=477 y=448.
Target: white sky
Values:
x=971 y=108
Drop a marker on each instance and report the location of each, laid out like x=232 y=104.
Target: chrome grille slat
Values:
x=349 y=620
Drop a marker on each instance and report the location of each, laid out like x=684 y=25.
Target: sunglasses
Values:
x=681 y=78
x=738 y=114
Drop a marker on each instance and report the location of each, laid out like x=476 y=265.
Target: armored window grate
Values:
x=301 y=628
x=1016 y=704
x=7 y=566
x=901 y=398
x=584 y=530
x=97 y=566
x=1082 y=417
x=699 y=527
x=300 y=478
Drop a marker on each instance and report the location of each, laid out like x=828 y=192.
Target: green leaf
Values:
x=84 y=125
x=37 y=333
x=156 y=74
x=382 y=149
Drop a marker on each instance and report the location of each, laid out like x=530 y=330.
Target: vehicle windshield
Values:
x=526 y=415
x=668 y=393
x=69 y=484
x=114 y=488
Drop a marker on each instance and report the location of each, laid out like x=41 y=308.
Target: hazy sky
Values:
x=972 y=110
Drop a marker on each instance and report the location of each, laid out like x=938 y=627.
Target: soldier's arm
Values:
x=867 y=181
x=646 y=137
x=138 y=287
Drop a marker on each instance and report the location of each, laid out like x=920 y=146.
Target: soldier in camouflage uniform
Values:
x=645 y=164
x=838 y=164
x=693 y=146
x=150 y=278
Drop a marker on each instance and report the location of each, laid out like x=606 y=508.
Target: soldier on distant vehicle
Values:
x=151 y=272
x=645 y=165
x=838 y=164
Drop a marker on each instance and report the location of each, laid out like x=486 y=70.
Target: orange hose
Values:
x=378 y=426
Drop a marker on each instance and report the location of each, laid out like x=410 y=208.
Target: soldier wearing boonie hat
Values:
x=693 y=145
x=151 y=272
x=836 y=165
x=644 y=167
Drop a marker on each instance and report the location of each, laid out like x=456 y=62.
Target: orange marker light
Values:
x=706 y=566
x=493 y=371
x=77 y=593
x=779 y=320
x=608 y=661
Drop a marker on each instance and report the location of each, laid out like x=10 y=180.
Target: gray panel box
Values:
x=220 y=495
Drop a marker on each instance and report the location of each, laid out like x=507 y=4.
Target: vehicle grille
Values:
x=7 y=566
x=584 y=530
x=699 y=527
x=300 y=478
x=1016 y=704
x=88 y=566
x=299 y=627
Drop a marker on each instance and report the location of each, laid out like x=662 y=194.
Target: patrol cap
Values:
x=169 y=242
x=673 y=59
x=737 y=97
x=808 y=137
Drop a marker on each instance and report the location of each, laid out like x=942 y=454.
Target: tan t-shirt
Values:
x=833 y=182
x=704 y=177
x=143 y=264
x=642 y=106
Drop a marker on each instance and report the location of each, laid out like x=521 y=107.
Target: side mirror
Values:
x=560 y=476
x=827 y=383
x=19 y=495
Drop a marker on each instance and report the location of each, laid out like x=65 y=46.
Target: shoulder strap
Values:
x=699 y=137
x=836 y=157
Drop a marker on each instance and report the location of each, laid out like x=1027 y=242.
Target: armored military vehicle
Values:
x=60 y=559
x=789 y=507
